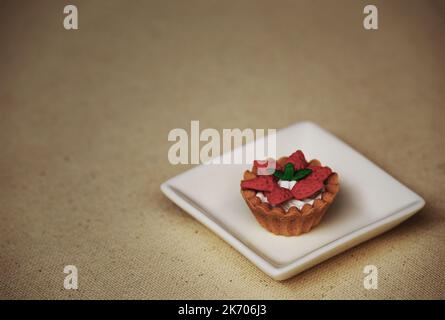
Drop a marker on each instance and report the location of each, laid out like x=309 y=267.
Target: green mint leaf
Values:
x=288 y=172
x=278 y=174
x=300 y=174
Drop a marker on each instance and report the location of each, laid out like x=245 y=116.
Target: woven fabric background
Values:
x=85 y=116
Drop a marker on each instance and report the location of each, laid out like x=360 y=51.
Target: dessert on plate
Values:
x=291 y=195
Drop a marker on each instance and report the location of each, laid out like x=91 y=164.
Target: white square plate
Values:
x=370 y=202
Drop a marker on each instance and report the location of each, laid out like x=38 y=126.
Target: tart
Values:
x=289 y=196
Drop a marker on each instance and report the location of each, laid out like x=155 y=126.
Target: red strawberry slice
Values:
x=261 y=183
x=261 y=164
x=305 y=188
x=319 y=173
x=265 y=163
x=278 y=195
x=298 y=160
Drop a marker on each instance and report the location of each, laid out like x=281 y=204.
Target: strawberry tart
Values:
x=289 y=196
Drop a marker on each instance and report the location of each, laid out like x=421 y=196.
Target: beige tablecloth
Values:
x=85 y=116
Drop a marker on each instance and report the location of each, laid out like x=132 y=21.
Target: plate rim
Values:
x=312 y=258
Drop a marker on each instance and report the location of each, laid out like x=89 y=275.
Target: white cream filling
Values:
x=292 y=202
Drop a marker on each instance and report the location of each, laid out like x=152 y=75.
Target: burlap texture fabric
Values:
x=85 y=116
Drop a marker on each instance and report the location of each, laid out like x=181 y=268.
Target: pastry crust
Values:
x=293 y=222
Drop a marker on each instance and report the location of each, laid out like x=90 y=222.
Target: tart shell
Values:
x=293 y=222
